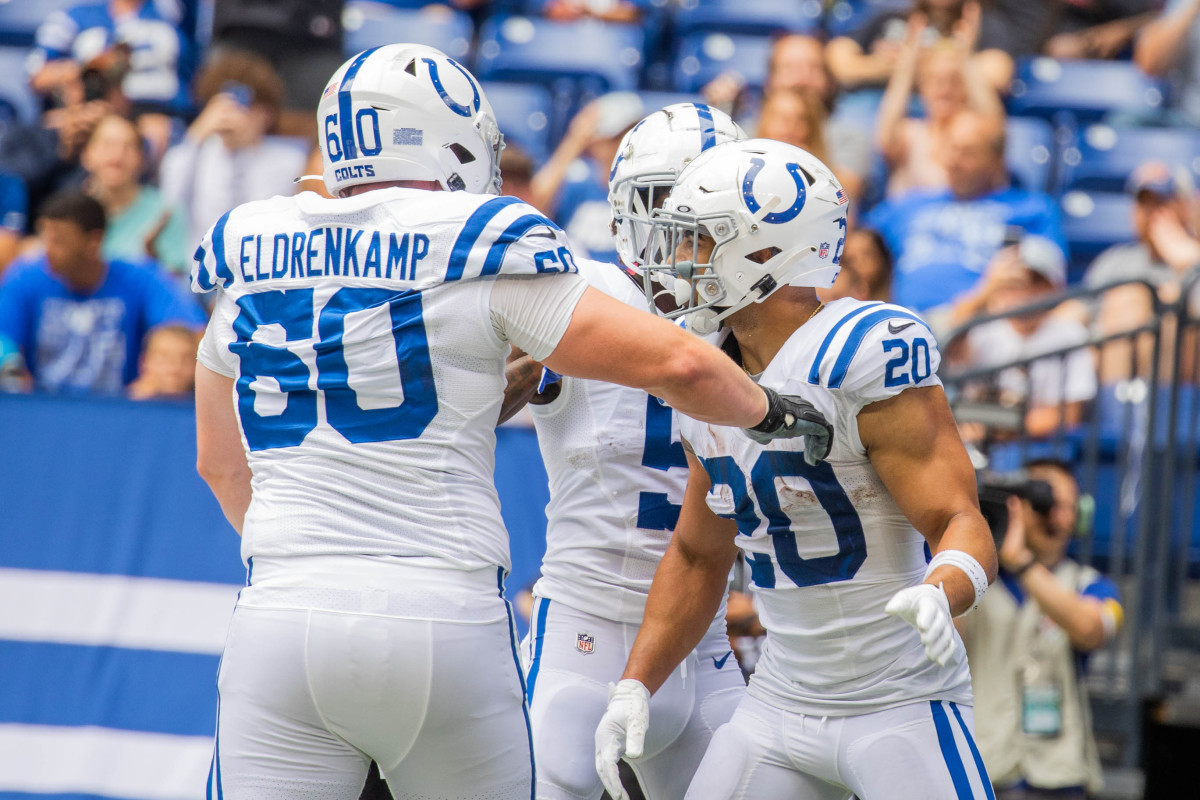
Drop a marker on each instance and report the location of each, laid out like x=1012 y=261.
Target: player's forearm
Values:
x=522 y=375
x=232 y=491
x=702 y=382
x=684 y=598
x=968 y=532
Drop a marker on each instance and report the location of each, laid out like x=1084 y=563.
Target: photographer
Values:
x=1027 y=644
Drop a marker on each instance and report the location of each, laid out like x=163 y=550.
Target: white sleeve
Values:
x=214 y=346
x=533 y=311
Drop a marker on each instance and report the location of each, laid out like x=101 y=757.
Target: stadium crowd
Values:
x=967 y=198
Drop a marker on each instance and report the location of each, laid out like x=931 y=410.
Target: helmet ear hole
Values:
x=463 y=155
x=764 y=255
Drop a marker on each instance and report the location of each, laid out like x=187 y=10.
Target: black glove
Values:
x=789 y=416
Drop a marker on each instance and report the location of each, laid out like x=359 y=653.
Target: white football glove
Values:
x=622 y=731
x=927 y=609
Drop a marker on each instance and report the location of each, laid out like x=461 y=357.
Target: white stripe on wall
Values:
x=115 y=610
x=101 y=761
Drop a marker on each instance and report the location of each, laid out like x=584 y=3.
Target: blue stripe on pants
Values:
x=512 y=640
x=945 y=734
x=983 y=776
x=539 y=636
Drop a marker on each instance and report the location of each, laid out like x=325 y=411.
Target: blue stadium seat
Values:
x=704 y=56
x=371 y=24
x=1082 y=91
x=1103 y=156
x=19 y=19
x=760 y=17
x=17 y=100
x=1029 y=152
x=594 y=56
x=1093 y=221
x=846 y=17
x=526 y=114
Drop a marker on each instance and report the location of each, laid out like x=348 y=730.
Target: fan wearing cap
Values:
x=1165 y=250
x=1056 y=389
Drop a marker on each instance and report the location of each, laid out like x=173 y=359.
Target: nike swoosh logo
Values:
x=719 y=663
x=894 y=328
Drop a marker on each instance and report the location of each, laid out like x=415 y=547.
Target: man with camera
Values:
x=1027 y=642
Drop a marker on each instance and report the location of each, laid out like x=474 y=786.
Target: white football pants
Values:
x=571 y=657
x=921 y=751
x=310 y=696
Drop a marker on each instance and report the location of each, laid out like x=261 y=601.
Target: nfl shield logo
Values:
x=824 y=251
x=585 y=643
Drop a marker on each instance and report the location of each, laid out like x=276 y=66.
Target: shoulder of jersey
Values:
x=613 y=281
x=853 y=340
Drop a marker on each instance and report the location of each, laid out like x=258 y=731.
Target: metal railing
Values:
x=1134 y=450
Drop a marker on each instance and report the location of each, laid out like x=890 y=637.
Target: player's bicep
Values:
x=913 y=443
x=700 y=535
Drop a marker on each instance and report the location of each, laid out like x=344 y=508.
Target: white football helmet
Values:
x=408 y=112
x=647 y=162
x=777 y=216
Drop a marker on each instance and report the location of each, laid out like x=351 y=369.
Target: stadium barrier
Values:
x=118 y=574
x=1134 y=453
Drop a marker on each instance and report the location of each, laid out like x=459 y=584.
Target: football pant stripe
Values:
x=983 y=776
x=539 y=636
x=945 y=734
x=512 y=641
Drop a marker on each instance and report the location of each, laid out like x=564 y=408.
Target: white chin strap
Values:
x=703 y=322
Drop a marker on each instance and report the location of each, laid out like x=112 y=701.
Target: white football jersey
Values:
x=617 y=473
x=368 y=370
x=827 y=545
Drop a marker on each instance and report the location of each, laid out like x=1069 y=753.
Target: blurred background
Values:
x=1022 y=172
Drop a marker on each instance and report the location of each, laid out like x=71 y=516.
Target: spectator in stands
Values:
x=13 y=375
x=302 y=41
x=1170 y=46
x=227 y=158
x=80 y=320
x=607 y=10
x=866 y=269
x=797 y=116
x=1055 y=390
x=167 y=367
x=943 y=241
x=1027 y=645
x=516 y=172
x=45 y=155
x=572 y=186
x=948 y=81
x=140 y=224
x=797 y=62
x=867 y=58
x=160 y=68
x=1165 y=252
x=1096 y=28
x=14 y=208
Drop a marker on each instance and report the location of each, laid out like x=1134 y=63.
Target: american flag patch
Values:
x=824 y=251
x=842 y=198
x=585 y=643
x=330 y=89
x=414 y=136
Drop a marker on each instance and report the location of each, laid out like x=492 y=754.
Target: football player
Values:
x=347 y=393
x=617 y=474
x=862 y=686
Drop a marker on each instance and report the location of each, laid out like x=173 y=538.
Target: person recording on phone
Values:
x=227 y=157
x=1027 y=643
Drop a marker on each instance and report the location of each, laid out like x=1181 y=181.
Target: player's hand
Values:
x=927 y=609
x=622 y=731
x=789 y=416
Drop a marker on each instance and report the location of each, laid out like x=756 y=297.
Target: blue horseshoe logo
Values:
x=457 y=108
x=775 y=217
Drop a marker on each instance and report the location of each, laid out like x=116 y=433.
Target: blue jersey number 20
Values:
x=852 y=544
x=293 y=312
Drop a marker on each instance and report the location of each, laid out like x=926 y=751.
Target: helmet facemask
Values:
x=686 y=248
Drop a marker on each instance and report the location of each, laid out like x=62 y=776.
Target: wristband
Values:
x=969 y=566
